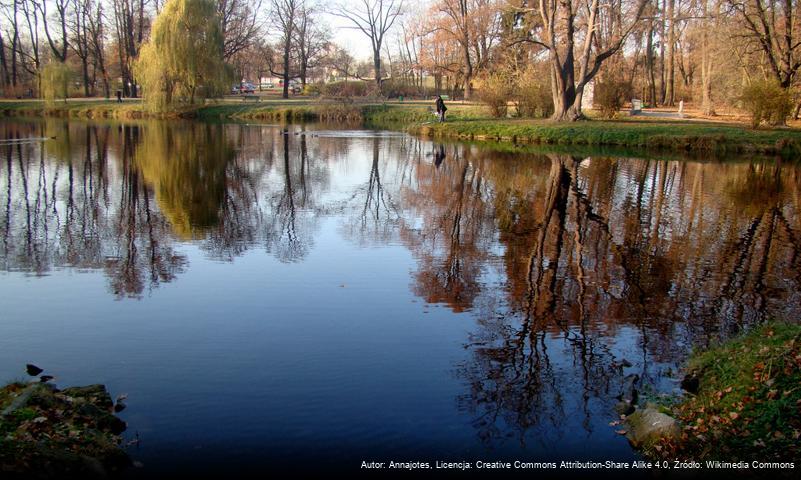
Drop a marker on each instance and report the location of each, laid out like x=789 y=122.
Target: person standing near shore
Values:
x=441 y=108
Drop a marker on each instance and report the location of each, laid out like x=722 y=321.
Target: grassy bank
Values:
x=396 y=115
x=683 y=136
x=466 y=122
x=748 y=403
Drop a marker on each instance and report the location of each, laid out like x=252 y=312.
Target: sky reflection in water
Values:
x=270 y=297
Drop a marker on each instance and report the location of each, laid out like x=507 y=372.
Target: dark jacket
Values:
x=441 y=105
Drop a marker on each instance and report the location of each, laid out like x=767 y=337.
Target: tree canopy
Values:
x=184 y=57
x=55 y=82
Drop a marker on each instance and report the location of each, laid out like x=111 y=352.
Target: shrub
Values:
x=533 y=96
x=346 y=89
x=313 y=89
x=766 y=101
x=394 y=88
x=610 y=95
x=55 y=82
x=495 y=91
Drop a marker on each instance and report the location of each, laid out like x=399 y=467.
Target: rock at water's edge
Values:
x=648 y=425
x=50 y=433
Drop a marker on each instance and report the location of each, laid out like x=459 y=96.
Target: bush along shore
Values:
x=465 y=122
x=742 y=405
x=46 y=432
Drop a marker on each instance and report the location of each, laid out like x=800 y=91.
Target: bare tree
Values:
x=774 y=27
x=458 y=24
x=409 y=43
x=284 y=14
x=31 y=15
x=97 y=43
x=342 y=61
x=474 y=26
x=3 y=62
x=59 y=50
x=707 y=63
x=374 y=18
x=558 y=25
x=77 y=25
x=312 y=41
x=129 y=22
x=10 y=11
x=240 y=24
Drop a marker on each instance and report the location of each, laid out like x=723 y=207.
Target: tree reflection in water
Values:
x=118 y=197
x=593 y=248
x=567 y=263
x=63 y=208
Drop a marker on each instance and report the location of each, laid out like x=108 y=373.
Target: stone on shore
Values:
x=649 y=425
x=51 y=433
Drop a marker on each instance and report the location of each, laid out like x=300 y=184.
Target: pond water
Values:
x=300 y=297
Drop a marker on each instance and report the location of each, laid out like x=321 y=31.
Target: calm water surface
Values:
x=317 y=298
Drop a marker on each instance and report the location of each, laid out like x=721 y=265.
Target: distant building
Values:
x=264 y=82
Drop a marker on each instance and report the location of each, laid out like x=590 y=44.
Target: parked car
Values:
x=235 y=89
x=248 y=88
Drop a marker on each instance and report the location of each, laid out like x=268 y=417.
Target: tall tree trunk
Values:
x=649 y=68
x=566 y=94
x=662 y=87
x=14 y=46
x=671 y=41
x=6 y=74
x=377 y=68
x=468 y=72
x=287 y=47
x=85 y=71
x=707 y=106
x=563 y=84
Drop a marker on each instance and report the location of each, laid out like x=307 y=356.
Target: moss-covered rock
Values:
x=46 y=432
x=648 y=426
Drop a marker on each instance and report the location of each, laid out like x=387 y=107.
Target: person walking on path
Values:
x=441 y=108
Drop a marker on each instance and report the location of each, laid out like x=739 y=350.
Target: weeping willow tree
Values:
x=183 y=59
x=55 y=77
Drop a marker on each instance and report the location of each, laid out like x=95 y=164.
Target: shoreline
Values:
x=739 y=394
x=48 y=432
x=466 y=122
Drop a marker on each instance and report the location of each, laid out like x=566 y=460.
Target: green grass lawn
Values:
x=675 y=135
